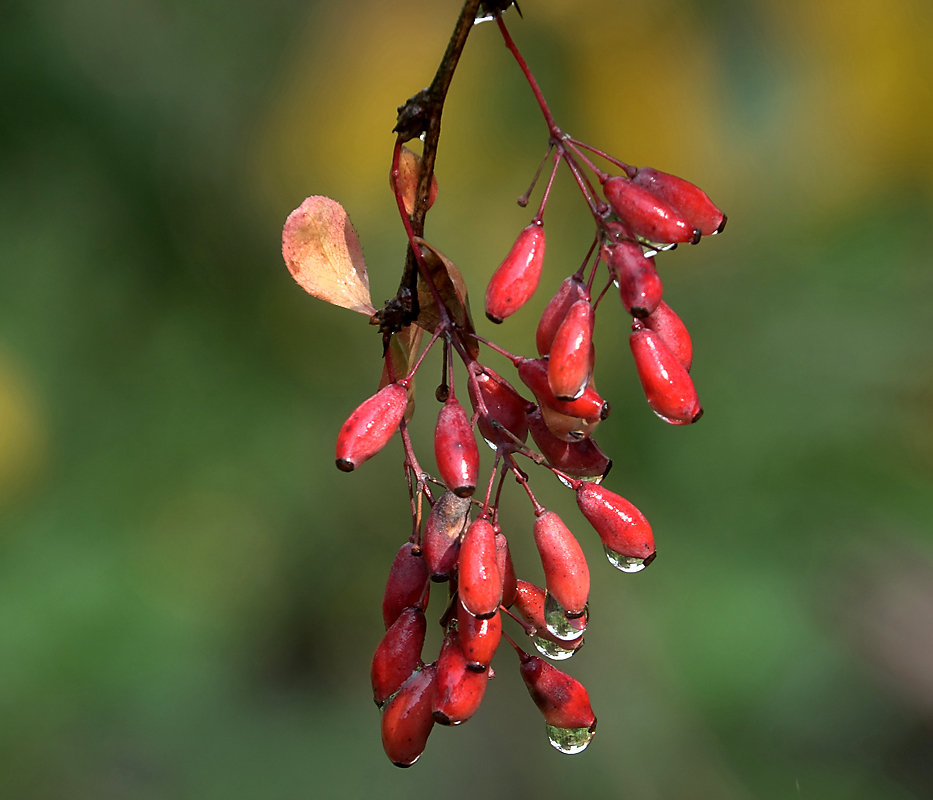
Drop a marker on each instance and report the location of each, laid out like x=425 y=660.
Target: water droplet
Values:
x=551 y=650
x=491 y=445
x=564 y=481
x=570 y=740
x=624 y=563
x=559 y=624
x=483 y=18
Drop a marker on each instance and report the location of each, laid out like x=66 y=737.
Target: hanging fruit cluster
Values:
x=456 y=534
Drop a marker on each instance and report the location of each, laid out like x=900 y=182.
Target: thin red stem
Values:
x=555 y=131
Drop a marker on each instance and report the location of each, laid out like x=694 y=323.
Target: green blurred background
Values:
x=190 y=592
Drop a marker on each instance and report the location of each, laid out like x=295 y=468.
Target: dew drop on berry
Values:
x=570 y=740
x=625 y=563
x=552 y=650
x=559 y=624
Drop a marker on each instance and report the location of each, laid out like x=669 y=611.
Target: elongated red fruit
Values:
x=479 y=638
x=622 y=528
x=478 y=570
x=458 y=690
x=556 y=310
x=440 y=544
x=566 y=574
x=691 y=202
x=503 y=404
x=534 y=374
x=529 y=602
x=370 y=427
x=516 y=279
x=398 y=654
x=407 y=718
x=569 y=363
x=408 y=581
x=563 y=700
x=668 y=388
x=672 y=331
x=639 y=283
x=567 y=428
x=646 y=214
x=506 y=570
x=578 y=459
x=455 y=449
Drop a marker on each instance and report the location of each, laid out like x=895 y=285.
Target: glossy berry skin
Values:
x=398 y=654
x=407 y=718
x=567 y=428
x=668 y=388
x=480 y=583
x=640 y=286
x=479 y=638
x=566 y=574
x=504 y=405
x=506 y=570
x=563 y=700
x=534 y=374
x=691 y=202
x=455 y=449
x=440 y=543
x=578 y=459
x=621 y=527
x=458 y=690
x=529 y=602
x=556 y=310
x=516 y=279
x=569 y=363
x=370 y=427
x=646 y=214
x=672 y=331
x=408 y=581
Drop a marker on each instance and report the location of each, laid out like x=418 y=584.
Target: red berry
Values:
x=569 y=363
x=569 y=292
x=566 y=574
x=516 y=279
x=455 y=449
x=672 y=331
x=370 y=427
x=458 y=690
x=622 y=528
x=691 y=202
x=480 y=582
x=440 y=544
x=647 y=215
x=408 y=580
x=668 y=388
x=589 y=405
x=506 y=570
x=578 y=459
x=529 y=602
x=398 y=654
x=407 y=718
x=563 y=701
x=479 y=638
x=503 y=404
x=566 y=428
x=639 y=283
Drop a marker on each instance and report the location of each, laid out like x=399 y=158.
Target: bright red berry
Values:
x=398 y=654
x=455 y=449
x=672 y=331
x=480 y=582
x=566 y=574
x=516 y=279
x=691 y=202
x=556 y=310
x=578 y=459
x=370 y=427
x=668 y=387
x=569 y=363
x=563 y=701
x=503 y=404
x=440 y=544
x=589 y=405
x=622 y=528
x=408 y=581
x=407 y=718
x=646 y=214
x=639 y=283
x=479 y=638
x=458 y=690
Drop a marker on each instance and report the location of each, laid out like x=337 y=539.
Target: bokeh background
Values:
x=190 y=592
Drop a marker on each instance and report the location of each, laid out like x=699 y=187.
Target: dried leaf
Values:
x=452 y=289
x=403 y=349
x=409 y=173
x=323 y=254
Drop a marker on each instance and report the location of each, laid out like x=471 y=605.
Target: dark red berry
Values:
x=672 y=331
x=479 y=638
x=408 y=580
x=563 y=700
x=370 y=427
x=479 y=580
x=503 y=404
x=646 y=214
x=691 y=202
x=566 y=574
x=407 y=718
x=398 y=654
x=440 y=544
x=516 y=279
x=458 y=690
x=639 y=283
x=622 y=528
x=567 y=428
x=578 y=459
x=556 y=310
x=569 y=363
x=455 y=449
x=668 y=388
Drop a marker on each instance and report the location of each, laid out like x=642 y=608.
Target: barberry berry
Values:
x=455 y=449
x=371 y=425
x=646 y=214
x=668 y=387
x=516 y=279
x=569 y=362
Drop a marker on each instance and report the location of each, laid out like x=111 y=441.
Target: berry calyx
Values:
x=516 y=278
x=371 y=425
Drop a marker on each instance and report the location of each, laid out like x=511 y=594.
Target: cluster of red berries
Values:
x=637 y=214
